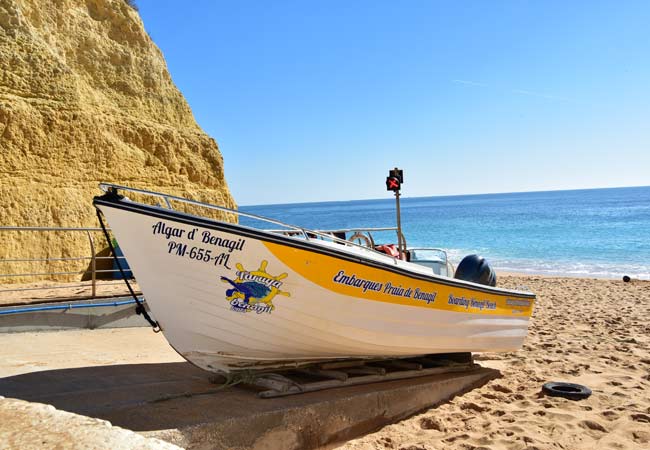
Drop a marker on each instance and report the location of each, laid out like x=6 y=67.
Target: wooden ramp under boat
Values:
x=340 y=374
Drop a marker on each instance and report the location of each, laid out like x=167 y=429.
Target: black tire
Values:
x=567 y=390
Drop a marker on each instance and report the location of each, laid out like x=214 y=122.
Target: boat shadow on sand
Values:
x=148 y=397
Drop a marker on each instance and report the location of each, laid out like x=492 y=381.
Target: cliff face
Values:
x=85 y=96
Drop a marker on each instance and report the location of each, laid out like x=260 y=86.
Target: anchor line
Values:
x=139 y=309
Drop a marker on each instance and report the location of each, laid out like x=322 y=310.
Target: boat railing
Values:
x=362 y=234
x=288 y=229
x=13 y=274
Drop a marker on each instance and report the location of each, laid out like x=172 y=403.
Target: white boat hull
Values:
x=304 y=301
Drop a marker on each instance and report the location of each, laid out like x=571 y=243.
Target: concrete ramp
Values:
x=176 y=402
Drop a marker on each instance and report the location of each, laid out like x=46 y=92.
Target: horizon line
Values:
x=448 y=195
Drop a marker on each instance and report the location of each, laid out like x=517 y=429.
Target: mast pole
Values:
x=394 y=182
x=400 y=244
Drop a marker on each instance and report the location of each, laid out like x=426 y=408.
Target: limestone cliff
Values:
x=85 y=96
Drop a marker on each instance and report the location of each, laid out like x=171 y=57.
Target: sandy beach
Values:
x=585 y=331
x=593 y=332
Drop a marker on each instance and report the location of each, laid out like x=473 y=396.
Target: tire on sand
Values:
x=567 y=390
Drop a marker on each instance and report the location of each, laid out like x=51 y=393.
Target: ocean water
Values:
x=602 y=233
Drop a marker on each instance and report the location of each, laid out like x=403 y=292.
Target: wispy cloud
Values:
x=513 y=91
x=469 y=83
x=540 y=95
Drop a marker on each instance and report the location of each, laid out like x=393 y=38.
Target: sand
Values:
x=585 y=331
x=46 y=291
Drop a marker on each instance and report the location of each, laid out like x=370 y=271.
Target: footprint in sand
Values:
x=593 y=425
x=640 y=418
x=490 y=396
x=473 y=407
x=501 y=388
x=609 y=415
x=463 y=436
x=515 y=429
x=641 y=437
x=430 y=423
x=386 y=442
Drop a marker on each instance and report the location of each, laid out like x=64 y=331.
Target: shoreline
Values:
x=511 y=273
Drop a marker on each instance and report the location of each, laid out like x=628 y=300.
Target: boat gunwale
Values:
x=263 y=235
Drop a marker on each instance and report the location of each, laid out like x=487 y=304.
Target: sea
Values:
x=601 y=233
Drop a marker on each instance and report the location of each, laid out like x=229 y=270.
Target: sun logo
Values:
x=254 y=290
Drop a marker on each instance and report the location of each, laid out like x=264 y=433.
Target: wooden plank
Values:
x=400 y=364
x=276 y=382
x=341 y=364
x=334 y=374
x=365 y=370
x=353 y=381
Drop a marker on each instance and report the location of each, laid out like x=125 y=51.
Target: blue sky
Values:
x=316 y=100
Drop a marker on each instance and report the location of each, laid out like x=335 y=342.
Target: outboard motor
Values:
x=477 y=270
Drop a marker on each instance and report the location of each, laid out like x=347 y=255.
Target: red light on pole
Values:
x=393 y=184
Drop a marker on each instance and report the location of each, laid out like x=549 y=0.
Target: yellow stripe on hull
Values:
x=371 y=283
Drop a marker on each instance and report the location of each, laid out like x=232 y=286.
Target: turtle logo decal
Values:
x=254 y=290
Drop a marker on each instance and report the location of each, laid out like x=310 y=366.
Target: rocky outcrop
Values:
x=85 y=96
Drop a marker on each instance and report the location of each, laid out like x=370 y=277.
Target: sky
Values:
x=317 y=100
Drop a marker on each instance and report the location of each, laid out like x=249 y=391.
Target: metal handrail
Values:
x=306 y=233
x=39 y=274
x=67 y=306
x=67 y=286
x=78 y=258
x=43 y=274
x=167 y=198
x=345 y=230
x=93 y=258
x=27 y=228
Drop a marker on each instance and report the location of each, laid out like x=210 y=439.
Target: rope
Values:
x=232 y=379
x=139 y=309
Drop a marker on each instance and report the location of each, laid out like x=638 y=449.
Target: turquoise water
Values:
x=596 y=232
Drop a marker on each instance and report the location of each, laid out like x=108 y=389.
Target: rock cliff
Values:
x=85 y=96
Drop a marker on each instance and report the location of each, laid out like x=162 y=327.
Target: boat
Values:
x=232 y=297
